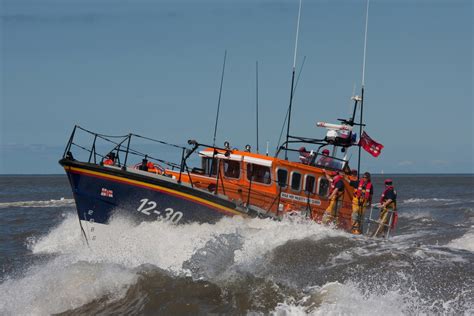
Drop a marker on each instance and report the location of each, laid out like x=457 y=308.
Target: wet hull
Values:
x=102 y=192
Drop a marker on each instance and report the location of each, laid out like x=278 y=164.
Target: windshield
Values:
x=329 y=162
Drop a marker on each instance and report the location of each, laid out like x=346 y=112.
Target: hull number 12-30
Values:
x=148 y=207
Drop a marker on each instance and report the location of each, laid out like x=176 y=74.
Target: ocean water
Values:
x=236 y=266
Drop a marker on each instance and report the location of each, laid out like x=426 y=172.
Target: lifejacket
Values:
x=383 y=199
x=333 y=185
x=364 y=190
x=108 y=162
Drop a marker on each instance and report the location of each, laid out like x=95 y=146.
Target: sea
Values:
x=237 y=266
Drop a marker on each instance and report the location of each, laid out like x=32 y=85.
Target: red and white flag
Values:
x=370 y=145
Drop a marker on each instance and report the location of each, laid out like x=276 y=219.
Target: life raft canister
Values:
x=151 y=167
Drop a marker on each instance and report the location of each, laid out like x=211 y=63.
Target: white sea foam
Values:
x=420 y=200
x=168 y=246
x=465 y=242
x=350 y=298
x=335 y=298
x=265 y=235
x=79 y=274
x=48 y=203
x=61 y=285
x=416 y=215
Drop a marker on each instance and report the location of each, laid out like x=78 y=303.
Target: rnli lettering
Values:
x=298 y=198
x=107 y=193
x=147 y=207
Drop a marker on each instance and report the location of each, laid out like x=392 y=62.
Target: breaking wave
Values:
x=50 y=203
x=419 y=200
x=236 y=266
x=465 y=242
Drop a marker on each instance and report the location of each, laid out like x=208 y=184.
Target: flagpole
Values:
x=362 y=88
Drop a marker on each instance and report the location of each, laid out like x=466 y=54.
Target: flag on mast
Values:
x=370 y=145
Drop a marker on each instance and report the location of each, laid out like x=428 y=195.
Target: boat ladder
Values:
x=381 y=227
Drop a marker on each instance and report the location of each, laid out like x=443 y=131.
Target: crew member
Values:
x=144 y=164
x=336 y=191
x=325 y=160
x=305 y=156
x=109 y=159
x=388 y=206
x=362 y=199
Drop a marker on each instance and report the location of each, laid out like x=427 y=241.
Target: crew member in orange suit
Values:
x=362 y=199
x=336 y=192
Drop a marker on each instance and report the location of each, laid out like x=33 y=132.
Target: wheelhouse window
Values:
x=323 y=186
x=282 y=176
x=296 y=181
x=258 y=173
x=310 y=184
x=209 y=166
x=232 y=169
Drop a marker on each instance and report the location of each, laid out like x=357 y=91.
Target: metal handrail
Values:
x=118 y=146
x=369 y=220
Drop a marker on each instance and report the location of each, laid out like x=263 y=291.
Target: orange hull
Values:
x=304 y=191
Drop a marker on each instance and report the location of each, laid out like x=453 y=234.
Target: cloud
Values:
x=406 y=163
x=439 y=162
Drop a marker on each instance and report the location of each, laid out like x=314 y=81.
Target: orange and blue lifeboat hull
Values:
x=102 y=192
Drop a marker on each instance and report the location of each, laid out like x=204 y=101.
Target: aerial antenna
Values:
x=219 y=101
x=294 y=92
x=256 y=97
x=362 y=88
x=365 y=43
x=292 y=81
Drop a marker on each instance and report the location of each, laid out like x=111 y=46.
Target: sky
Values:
x=153 y=67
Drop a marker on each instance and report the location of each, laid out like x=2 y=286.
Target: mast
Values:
x=219 y=101
x=256 y=97
x=362 y=88
x=292 y=81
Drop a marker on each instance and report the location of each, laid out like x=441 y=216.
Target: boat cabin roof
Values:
x=237 y=155
x=263 y=160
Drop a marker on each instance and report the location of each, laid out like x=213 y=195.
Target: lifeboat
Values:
x=217 y=182
x=204 y=183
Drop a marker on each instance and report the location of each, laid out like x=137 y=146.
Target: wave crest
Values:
x=49 y=203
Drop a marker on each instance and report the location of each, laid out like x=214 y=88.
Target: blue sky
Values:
x=153 y=67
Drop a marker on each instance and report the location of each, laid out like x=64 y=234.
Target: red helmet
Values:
x=388 y=181
x=302 y=149
x=325 y=152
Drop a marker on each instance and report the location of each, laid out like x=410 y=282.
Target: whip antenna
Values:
x=256 y=96
x=286 y=115
x=292 y=80
x=219 y=101
x=365 y=43
x=362 y=88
